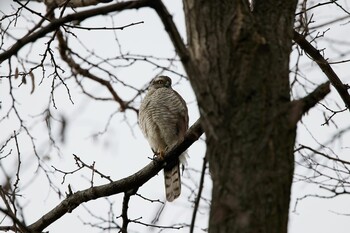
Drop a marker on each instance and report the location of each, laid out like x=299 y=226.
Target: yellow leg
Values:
x=161 y=154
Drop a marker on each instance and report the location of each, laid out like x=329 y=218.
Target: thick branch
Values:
x=171 y=29
x=179 y=45
x=301 y=106
x=73 y=3
x=131 y=182
x=324 y=65
x=55 y=24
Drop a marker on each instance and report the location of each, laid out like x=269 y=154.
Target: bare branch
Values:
x=173 y=227
x=80 y=16
x=125 y=208
x=63 y=48
x=18 y=224
x=105 y=28
x=129 y=183
x=328 y=23
x=73 y=3
x=324 y=155
x=18 y=165
x=171 y=29
x=325 y=67
x=301 y=106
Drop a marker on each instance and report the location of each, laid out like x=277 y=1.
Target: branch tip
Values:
x=324 y=65
x=302 y=106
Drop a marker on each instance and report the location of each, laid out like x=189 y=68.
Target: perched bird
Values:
x=163 y=119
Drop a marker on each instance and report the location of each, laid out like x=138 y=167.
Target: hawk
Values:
x=163 y=119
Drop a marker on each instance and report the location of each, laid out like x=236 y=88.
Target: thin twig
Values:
x=103 y=28
x=325 y=67
x=323 y=154
x=129 y=183
x=18 y=165
x=80 y=16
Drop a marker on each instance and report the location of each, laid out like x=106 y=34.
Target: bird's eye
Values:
x=160 y=81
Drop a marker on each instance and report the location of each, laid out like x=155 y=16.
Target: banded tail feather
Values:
x=172 y=180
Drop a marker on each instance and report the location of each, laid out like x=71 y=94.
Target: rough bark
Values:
x=242 y=87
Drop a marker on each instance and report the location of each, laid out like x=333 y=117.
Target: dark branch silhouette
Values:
x=303 y=105
x=123 y=185
x=80 y=16
x=325 y=67
x=179 y=45
x=85 y=62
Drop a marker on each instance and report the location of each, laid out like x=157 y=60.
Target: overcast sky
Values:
x=122 y=150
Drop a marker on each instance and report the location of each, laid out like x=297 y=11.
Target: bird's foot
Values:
x=158 y=155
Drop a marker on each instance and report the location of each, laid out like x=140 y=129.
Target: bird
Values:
x=163 y=119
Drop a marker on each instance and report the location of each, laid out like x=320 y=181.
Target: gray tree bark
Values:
x=240 y=74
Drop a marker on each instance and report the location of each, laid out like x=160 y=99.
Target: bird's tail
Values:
x=172 y=181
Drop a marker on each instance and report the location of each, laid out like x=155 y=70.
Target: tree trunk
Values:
x=242 y=88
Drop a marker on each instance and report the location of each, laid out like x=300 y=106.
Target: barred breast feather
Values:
x=164 y=122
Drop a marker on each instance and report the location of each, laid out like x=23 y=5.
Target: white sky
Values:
x=122 y=150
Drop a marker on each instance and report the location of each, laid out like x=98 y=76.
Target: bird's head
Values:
x=160 y=81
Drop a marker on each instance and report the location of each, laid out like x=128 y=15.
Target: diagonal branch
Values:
x=55 y=24
x=317 y=152
x=180 y=47
x=64 y=51
x=73 y=3
x=171 y=29
x=123 y=185
x=18 y=224
x=325 y=67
